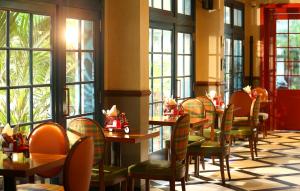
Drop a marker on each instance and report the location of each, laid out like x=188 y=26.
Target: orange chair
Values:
x=49 y=138
x=242 y=102
x=77 y=169
x=263 y=116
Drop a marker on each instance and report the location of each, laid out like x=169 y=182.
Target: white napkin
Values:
x=247 y=89
x=8 y=130
x=113 y=112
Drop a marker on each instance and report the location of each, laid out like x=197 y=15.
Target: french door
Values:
x=47 y=74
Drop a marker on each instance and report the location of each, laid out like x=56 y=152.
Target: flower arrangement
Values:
x=13 y=140
x=114 y=120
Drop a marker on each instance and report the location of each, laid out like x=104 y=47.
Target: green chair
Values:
x=210 y=129
x=102 y=175
x=169 y=170
x=248 y=128
x=217 y=148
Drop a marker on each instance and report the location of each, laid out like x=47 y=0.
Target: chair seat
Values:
x=206 y=133
x=241 y=121
x=156 y=168
x=39 y=187
x=112 y=175
x=241 y=131
x=208 y=148
x=263 y=116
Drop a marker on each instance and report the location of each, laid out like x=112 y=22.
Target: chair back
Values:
x=255 y=108
x=261 y=92
x=242 y=101
x=78 y=165
x=210 y=110
x=49 y=138
x=226 y=125
x=89 y=127
x=194 y=108
x=179 y=139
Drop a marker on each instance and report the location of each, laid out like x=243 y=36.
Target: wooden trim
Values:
x=127 y=93
x=208 y=83
x=255 y=78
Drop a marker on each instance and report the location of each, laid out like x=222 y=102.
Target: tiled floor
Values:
x=277 y=167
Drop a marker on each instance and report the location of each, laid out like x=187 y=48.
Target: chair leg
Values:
x=228 y=167
x=251 y=147
x=202 y=162
x=255 y=142
x=172 y=185
x=130 y=184
x=182 y=184
x=147 y=184
x=124 y=185
x=213 y=160
x=196 y=173
x=222 y=168
x=187 y=167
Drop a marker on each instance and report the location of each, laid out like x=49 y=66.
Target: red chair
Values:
x=77 y=169
x=49 y=138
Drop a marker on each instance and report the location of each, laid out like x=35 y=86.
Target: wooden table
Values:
x=116 y=138
x=20 y=166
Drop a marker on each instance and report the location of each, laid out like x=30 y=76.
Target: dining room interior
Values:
x=176 y=95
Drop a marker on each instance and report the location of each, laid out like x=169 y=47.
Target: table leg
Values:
x=116 y=154
x=9 y=183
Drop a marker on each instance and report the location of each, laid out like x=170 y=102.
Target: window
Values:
x=34 y=71
x=160 y=4
x=25 y=67
x=233 y=48
x=80 y=66
x=288 y=54
x=170 y=62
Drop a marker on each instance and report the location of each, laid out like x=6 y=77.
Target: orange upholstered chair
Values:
x=49 y=138
x=77 y=169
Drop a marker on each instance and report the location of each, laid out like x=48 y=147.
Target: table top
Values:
x=20 y=166
x=122 y=137
x=171 y=121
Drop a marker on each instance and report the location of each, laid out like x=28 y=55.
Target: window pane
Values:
x=227 y=15
x=294 y=26
x=157 y=4
x=166 y=134
x=87 y=67
x=87 y=98
x=150 y=65
x=281 y=82
x=180 y=43
x=294 y=68
x=294 y=54
x=187 y=44
x=156 y=142
x=19 y=106
x=87 y=40
x=167 y=87
x=72 y=68
x=187 y=65
x=157 y=38
x=281 y=53
x=2 y=28
x=294 y=40
x=238 y=64
x=180 y=65
x=237 y=17
x=238 y=48
x=280 y=68
x=74 y=99
x=227 y=64
x=3 y=110
x=180 y=6
x=157 y=109
x=2 y=68
x=282 y=40
x=187 y=87
x=157 y=65
x=41 y=67
x=294 y=83
x=150 y=3
x=72 y=34
x=19 y=67
x=41 y=103
x=19 y=30
x=167 y=65
x=41 y=31
x=282 y=26
x=227 y=46
x=188 y=7
x=167 y=5
x=167 y=38
x=150 y=40
x=157 y=94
